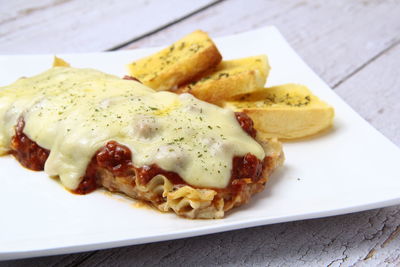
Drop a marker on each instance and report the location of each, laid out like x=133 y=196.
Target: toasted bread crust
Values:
x=59 y=62
x=290 y=124
x=177 y=64
x=230 y=79
x=286 y=111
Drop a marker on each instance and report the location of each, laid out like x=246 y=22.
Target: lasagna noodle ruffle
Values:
x=187 y=201
x=183 y=199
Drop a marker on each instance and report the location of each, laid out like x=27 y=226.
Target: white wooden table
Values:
x=353 y=45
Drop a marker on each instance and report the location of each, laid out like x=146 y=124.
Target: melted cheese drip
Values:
x=74 y=112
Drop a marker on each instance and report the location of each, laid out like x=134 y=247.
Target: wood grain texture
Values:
x=55 y=26
x=321 y=242
x=365 y=238
x=334 y=37
x=54 y=261
x=354 y=46
x=374 y=92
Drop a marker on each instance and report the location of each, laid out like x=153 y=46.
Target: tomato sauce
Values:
x=117 y=159
x=114 y=157
x=127 y=77
x=246 y=123
x=26 y=151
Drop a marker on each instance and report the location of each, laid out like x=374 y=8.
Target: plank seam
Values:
x=117 y=47
x=366 y=63
x=31 y=10
x=80 y=261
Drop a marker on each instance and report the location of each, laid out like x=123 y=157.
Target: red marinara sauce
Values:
x=117 y=159
x=146 y=173
x=127 y=77
x=26 y=151
x=246 y=123
x=114 y=157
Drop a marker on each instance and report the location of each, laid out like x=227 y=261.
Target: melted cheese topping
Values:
x=74 y=112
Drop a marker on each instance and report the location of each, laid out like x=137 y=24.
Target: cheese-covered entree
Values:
x=72 y=115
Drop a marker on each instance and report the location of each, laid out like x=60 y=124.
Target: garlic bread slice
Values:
x=177 y=64
x=229 y=79
x=286 y=111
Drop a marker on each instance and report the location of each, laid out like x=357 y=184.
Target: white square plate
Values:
x=351 y=168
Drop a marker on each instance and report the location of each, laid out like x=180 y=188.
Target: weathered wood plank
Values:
x=334 y=37
x=367 y=82
x=370 y=237
x=54 y=261
x=332 y=241
x=374 y=92
x=55 y=26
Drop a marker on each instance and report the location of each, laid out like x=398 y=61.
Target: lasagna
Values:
x=93 y=130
